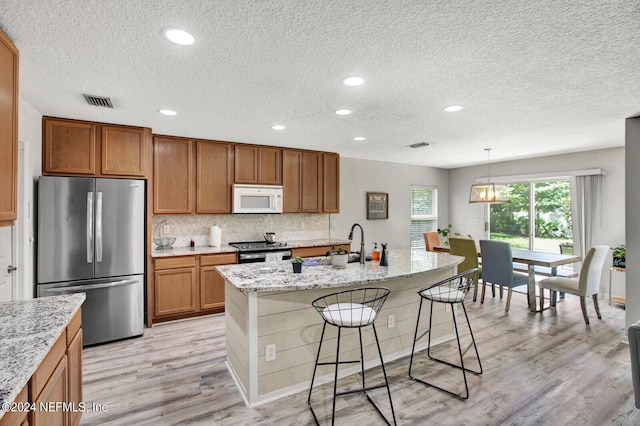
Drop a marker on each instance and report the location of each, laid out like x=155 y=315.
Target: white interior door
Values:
x=6 y=259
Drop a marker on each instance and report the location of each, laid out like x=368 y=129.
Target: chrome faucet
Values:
x=363 y=257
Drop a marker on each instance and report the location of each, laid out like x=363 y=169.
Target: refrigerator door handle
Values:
x=89 y=227
x=99 y=227
x=81 y=288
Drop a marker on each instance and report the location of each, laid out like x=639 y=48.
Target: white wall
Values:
x=469 y=219
x=632 y=151
x=357 y=177
x=30 y=133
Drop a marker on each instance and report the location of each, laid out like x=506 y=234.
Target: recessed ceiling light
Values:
x=353 y=81
x=342 y=111
x=179 y=36
x=453 y=108
x=167 y=112
x=278 y=127
x=359 y=138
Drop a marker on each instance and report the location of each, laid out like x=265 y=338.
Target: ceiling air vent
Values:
x=419 y=145
x=99 y=101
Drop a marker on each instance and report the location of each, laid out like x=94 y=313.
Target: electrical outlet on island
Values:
x=270 y=352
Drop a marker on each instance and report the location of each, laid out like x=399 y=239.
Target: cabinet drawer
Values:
x=218 y=259
x=47 y=366
x=17 y=418
x=175 y=262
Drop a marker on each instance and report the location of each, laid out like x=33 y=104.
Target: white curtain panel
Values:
x=586 y=199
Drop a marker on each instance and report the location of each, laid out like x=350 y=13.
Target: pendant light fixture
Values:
x=489 y=192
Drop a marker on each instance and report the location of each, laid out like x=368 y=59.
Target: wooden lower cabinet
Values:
x=189 y=286
x=175 y=288
x=54 y=391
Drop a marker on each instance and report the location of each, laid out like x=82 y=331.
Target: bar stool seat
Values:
x=452 y=290
x=357 y=308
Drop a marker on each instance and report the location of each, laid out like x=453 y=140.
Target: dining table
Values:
x=533 y=258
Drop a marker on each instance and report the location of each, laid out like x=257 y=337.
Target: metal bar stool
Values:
x=452 y=291
x=351 y=309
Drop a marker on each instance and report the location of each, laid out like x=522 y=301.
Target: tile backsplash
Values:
x=248 y=227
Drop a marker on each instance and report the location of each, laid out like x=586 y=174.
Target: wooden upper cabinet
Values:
x=257 y=164
x=214 y=177
x=124 y=150
x=173 y=175
x=291 y=181
x=269 y=166
x=8 y=130
x=69 y=147
x=311 y=182
x=331 y=183
x=72 y=147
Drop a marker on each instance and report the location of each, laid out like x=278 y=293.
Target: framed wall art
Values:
x=377 y=205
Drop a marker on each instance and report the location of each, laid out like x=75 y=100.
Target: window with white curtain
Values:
x=424 y=213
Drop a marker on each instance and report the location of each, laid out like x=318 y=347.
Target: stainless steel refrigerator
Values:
x=91 y=239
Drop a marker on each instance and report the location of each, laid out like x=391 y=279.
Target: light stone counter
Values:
x=225 y=248
x=267 y=304
x=28 y=330
x=317 y=273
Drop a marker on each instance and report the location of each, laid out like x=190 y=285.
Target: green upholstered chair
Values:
x=466 y=247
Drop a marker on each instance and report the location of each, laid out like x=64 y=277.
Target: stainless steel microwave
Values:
x=257 y=198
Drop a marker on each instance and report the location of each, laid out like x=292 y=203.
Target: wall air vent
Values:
x=419 y=145
x=99 y=101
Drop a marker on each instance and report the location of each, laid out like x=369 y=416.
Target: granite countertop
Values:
x=225 y=248
x=318 y=272
x=28 y=330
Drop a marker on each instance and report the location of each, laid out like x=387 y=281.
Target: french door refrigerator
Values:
x=91 y=239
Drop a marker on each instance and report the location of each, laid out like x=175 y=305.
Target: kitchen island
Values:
x=41 y=346
x=267 y=304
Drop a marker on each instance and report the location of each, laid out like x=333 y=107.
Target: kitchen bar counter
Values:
x=267 y=304
x=317 y=273
x=225 y=248
x=28 y=331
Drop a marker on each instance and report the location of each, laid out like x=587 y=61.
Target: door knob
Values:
x=11 y=268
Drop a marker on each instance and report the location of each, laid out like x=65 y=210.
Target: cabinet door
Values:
x=291 y=181
x=311 y=182
x=55 y=391
x=331 y=183
x=269 y=166
x=246 y=164
x=8 y=129
x=74 y=376
x=69 y=147
x=211 y=288
x=175 y=291
x=124 y=151
x=211 y=282
x=214 y=177
x=172 y=176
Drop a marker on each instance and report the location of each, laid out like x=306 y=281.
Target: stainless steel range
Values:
x=257 y=251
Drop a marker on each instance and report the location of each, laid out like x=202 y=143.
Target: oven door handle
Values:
x=252 y=256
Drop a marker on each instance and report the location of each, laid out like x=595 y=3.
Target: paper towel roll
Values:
x=215 y=236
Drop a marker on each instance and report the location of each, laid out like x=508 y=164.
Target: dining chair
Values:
x=587 y=283
x=467 y=248
x=497 y=268
x=431 y=240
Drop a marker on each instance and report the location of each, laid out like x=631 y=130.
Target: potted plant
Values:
x=619 y=255
x=297 y=262
x=339 y=257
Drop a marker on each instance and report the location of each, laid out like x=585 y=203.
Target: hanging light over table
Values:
x=489 y=192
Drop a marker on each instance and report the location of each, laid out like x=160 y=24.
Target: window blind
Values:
x=424 y=216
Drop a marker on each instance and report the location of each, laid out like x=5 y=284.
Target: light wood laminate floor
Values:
x=539 y=369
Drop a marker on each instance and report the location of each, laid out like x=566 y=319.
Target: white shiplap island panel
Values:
x=266 y=303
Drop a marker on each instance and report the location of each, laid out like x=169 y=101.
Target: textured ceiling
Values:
x=535 y=77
